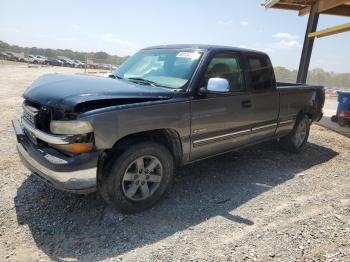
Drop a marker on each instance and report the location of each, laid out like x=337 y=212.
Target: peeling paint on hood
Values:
x=67 y=91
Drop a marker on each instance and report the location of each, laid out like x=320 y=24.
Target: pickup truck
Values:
x=164 y=107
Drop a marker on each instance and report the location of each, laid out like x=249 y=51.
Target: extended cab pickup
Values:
x=165 y=106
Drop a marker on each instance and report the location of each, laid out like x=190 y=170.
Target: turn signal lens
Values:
x=76 y=148
x=80 y=147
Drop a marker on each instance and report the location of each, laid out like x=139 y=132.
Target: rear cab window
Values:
x=260 y=73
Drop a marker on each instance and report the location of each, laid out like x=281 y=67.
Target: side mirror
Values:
x=216 y=85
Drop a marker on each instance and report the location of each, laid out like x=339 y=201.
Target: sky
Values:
x=124 y=27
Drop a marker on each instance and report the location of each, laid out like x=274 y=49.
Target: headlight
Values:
x=74 y=127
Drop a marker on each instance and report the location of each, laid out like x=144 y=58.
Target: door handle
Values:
x=246 y=103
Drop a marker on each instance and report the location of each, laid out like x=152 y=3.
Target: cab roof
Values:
x=204 y=47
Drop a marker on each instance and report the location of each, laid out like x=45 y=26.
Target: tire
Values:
x=128 y=185
x=341 y=122
x=296 y=140
x=334 y=119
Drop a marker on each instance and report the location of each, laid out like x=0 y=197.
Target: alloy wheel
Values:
x=142 y=178
x=300 y=133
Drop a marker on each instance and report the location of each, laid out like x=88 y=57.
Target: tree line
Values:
x=100 y=57
x=316 y=76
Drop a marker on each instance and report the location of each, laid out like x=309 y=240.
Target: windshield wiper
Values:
x=115 y=76
x=145 y=81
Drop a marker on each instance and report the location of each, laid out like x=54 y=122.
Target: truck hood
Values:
x=66 y=92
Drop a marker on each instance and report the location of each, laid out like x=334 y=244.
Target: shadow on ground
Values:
x=65 y=225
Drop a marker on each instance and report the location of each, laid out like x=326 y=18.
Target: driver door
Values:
x=221 y=122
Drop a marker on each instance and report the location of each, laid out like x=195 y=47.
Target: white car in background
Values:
x=28 y=59
x=38 y=59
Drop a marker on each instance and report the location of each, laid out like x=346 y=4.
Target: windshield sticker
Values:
x=189 y=55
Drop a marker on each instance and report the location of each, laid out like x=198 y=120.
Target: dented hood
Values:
x=67 y=91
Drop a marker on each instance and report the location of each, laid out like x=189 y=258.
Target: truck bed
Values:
x=292 y=94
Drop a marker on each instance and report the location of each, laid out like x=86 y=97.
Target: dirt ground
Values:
x=257 y=204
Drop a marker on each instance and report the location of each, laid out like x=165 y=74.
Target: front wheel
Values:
x=298 y=137
x=137 y=178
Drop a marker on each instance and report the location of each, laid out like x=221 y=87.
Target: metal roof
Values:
x=331 y=7
x=314 y=8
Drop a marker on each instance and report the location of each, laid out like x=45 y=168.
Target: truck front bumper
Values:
x=75 y=174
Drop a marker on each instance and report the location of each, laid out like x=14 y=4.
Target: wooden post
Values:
x=308 y=45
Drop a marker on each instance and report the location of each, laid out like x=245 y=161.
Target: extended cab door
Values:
x=220 y=122
x=264 y=96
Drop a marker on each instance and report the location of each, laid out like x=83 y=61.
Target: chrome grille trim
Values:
x=48 y=138
x=30 y=113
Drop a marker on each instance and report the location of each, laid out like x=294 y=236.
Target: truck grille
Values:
x=37 y=115
x=30 y=114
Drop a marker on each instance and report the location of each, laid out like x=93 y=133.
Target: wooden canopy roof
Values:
x=330 y=7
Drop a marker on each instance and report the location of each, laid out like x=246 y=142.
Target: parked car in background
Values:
x=166 y=106
x=44 y=58
x=13 y=56
x=38 y=59
x=66 y=61
x=4 y=55
x=28 y=59
x=105 y=66
x=54 y=61
x=78 y=63
x=99 y=65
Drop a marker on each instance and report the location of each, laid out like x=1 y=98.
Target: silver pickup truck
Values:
x=166 y=106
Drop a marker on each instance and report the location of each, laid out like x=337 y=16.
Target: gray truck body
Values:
x=195 y=125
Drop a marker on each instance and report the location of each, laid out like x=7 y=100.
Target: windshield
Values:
x=167 y=68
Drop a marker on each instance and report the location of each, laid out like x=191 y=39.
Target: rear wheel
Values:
x=137 y=178
x=341 y=121
x=298 y=137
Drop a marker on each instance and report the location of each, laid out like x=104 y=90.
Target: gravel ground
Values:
x=257 y=204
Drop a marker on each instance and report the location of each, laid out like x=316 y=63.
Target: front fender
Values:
x=117 y=122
